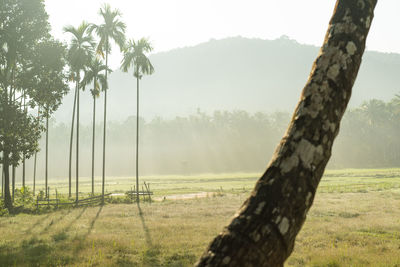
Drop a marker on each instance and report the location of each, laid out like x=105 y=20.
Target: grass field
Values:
x=355 y=221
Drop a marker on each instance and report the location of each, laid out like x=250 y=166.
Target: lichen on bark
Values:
x=263 y=231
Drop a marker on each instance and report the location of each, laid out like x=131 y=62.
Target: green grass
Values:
x=355 y=221
x=347 y=180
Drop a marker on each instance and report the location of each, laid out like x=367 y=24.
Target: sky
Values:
x=170 y=24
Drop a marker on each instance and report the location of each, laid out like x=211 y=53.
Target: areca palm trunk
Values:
x=93 y=134
x=77 y=141
x=47 y=153
x=23 y=159
x=263 y=231
x=104 y=130
x=70 y=145
x=13 y=182
x=137 y=136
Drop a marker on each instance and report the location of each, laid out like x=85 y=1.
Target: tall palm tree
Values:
x=111 y=29
x=79 y=53
x=134 y=54
x=93 y=74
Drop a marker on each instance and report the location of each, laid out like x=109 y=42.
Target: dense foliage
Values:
x=31 y=76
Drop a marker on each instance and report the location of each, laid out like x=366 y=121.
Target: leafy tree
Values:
x=79 y=54
x=135 y=55
x=111 y=29
x=48 y=82
x=263 y=231
x=93 y=74
x=23 y=26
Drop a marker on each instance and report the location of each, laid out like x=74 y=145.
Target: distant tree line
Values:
x=231 y=141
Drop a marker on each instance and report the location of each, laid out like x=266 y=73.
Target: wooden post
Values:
x=56 y=198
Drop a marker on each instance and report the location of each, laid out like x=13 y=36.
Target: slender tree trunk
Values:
x=34 y=165
x=77 y=142
x=263 y=231
x=47 y=153
x=7 y=196
x=13 y=182
x=70 y=145
x=137 y=136
x=104 y=131
x=23 y=155
x=34 y=173
x=2 y=181
x=93 y=135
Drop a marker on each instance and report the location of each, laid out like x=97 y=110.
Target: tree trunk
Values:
x=34 y=165
x=263 y=231
x=104 y=131
x=47 y=153
x=93 y=135
x=23 y=156
x=13 y=182
x=7 y=196
x=77 y=141
x=2 y=182
x=70 y=145
x=34 y=173
x=137 y=135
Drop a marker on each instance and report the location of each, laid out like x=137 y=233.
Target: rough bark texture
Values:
x=263 y=231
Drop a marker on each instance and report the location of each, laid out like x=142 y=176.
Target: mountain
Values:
x=228 y=74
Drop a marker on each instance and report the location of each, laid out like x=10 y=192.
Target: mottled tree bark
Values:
x=263 y=231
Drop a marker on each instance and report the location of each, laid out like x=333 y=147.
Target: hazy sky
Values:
x=177 y=23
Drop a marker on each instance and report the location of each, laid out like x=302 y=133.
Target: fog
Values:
x=221 y=142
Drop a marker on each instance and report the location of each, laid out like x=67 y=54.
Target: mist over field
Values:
x=204 y=113
x=235 y=73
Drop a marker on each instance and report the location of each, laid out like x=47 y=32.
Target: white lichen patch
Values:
x=259 y=208
x=368 y=22
x=284 y=226
x=333 y=71
x=305 y=152
x=289 y=163
x=351 y=48
x=308 y=153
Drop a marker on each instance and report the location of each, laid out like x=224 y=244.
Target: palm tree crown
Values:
x=134 y=54
x=112 y=28
x=93 y=74
x=81 y=46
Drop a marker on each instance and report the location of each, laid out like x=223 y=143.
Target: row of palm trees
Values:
x=86 y=57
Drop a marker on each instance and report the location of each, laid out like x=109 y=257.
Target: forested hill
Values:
x=233 y=73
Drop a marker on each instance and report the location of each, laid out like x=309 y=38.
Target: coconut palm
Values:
x=93 y=74
x=79 y=53
x=111 y=29
x=134 y=55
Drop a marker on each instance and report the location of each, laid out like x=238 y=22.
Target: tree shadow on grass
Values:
x=33 y=252
x=145 y=228
x=52 y=222
x=37 y=223
x=155 y=256
x=66 y=229
x=81 y=239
